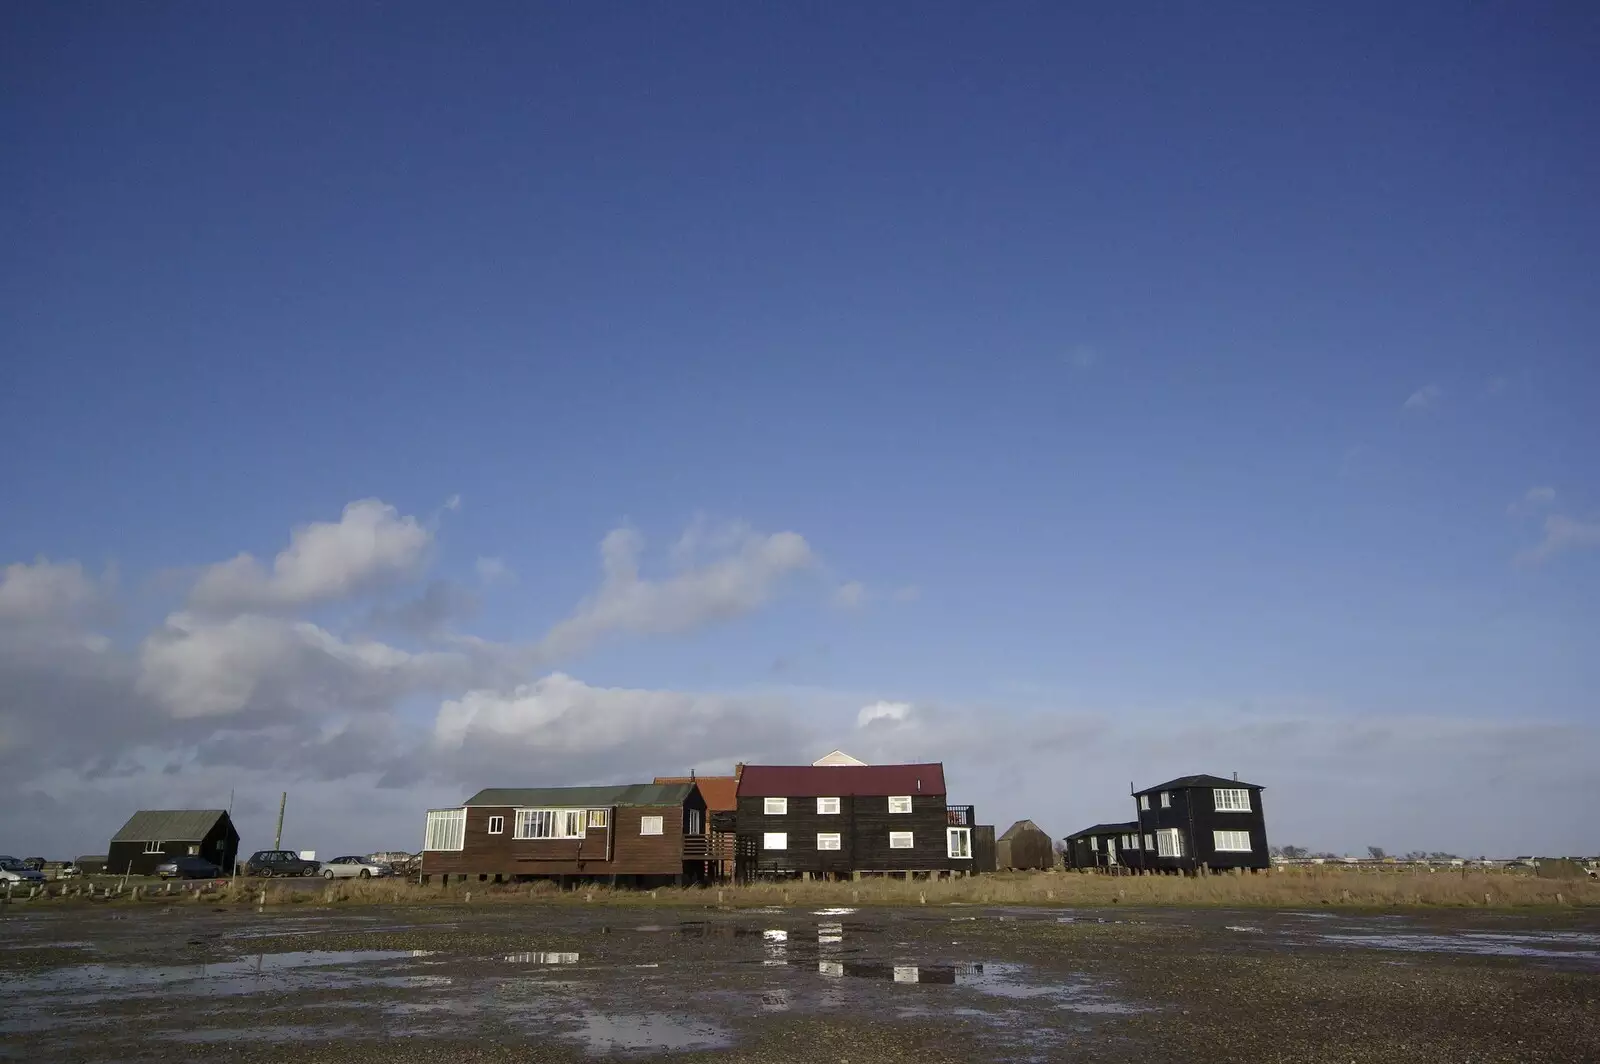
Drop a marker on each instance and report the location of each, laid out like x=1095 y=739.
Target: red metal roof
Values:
x=718 y=791
x=829 y=781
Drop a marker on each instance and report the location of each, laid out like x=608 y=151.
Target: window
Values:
x=1144 y=803
x=649 y=825
x=775 y=807
x=447 y=829
x=775 y=840
x=900 y=803
x=827 y=840
x=194 y=851
x=1094 y=842
x=692 y=823
x=497 y=825
x=900 y=840
x=1231 y=841
x=597 y=818
x=1169 y=843
x=1149 y=842
x=958 y=843
x=828 y=806
x=550 y=824
x=1128 y=842
x=152 y=847
x=1166 y=800
x=1232 y=801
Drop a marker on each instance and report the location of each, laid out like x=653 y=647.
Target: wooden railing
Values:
x=696 y=848
x=959 y=816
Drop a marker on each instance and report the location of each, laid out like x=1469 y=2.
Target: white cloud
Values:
x=728 y=586
x=850 y=596
x=892 y=712
x=1561 y=534
x=559 y=724
x=1534 y=499
x=1425 y=398
x=369 y=546
x=272 y=669
x=494 y=571
x=45 y=590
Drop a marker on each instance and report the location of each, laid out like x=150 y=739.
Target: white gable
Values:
x=838 y=757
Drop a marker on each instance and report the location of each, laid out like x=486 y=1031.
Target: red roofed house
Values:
x=840 y=820
x=720 y=795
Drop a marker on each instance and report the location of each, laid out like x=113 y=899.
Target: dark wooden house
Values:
x=720 y=793
x=643 y=834
x=1106 y=847
x=151 y=836
x=1025 y=845
x=1202 y=822
x=834 y=821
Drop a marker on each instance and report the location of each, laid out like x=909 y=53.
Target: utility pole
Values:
x=277 y=840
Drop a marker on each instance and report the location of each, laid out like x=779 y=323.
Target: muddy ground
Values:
x=557 y=983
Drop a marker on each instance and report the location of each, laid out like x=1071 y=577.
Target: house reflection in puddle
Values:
x=541 y=958
x=945 y=974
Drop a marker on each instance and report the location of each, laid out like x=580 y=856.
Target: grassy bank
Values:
x=1284 y=888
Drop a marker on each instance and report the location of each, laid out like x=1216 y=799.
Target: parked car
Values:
x=35 y=863
x=69 y=871
x=14 y=871
x=353 y=868
x=269 y=863
x=188 y=867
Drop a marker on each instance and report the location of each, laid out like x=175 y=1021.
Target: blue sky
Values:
x=1150 y=393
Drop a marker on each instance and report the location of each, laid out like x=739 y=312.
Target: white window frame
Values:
x=899 y=803
x=497 y=825
x=775 y=840
x=694 y=822
x=902 y=840
x=1144 y=803
x=1231 y=841
x=152 y=847
x=958 y=843
x=446 y=830
x=775 y=806
x=652 y=825
x=1166 y=799
x=598 y=818
x=1094 y=843
x=545 y=824
x=828 y=840
x=827 y=807
x=1169 y=842
x=1231 y=799
x=1149 y=841
x=574 y=823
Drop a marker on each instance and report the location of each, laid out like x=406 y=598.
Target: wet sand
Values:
x=559 y=983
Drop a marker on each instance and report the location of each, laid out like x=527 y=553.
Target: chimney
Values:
x=738 y=770
x=1236 y=777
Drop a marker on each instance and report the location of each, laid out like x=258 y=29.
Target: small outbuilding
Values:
x=152 y=836
x=1025 y=845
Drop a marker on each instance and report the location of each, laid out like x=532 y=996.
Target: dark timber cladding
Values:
x=1203 y=822
x=1113 y=847
x=836 y=820
x=1025 y=845
x=644 y=833
x=152 y=836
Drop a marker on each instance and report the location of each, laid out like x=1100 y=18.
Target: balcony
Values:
x=960 y=816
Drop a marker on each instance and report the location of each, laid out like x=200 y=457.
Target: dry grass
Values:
x=1282 y=888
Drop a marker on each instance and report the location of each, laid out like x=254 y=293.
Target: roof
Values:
x=1021 y=826
x=1127 y=828
x=1202 y=780
x=583 y=797
x=169 y=825
x=720 y=792
x=838 y=757
x=817 y=781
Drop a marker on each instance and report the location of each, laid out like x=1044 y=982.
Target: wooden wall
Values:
x=1193 y=812
x=630 y=853
x=863 y=824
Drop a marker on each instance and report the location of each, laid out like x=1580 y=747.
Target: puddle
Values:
x=94 y=982
x=995 y=980
x=1549 y=945
x=834 y=912
x=603 y=1033
x=1245 y=928
x=541 y=958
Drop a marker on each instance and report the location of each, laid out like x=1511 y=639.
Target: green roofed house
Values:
x=151 y=836
x=639 y=834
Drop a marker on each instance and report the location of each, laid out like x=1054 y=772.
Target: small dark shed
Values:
x=983 y=848
x=1025 y=845
x=151 y=836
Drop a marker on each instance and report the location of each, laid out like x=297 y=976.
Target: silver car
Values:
x=352 y=868
x=14 y=871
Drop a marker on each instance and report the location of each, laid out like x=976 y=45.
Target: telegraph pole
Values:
x=277 y=840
